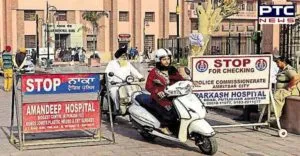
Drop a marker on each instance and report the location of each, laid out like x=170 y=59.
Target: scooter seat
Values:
x=149 y=104
x=144 y=100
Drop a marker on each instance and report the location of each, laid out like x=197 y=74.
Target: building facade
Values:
x=243 y=24
x=137 y=23
x=133 y=22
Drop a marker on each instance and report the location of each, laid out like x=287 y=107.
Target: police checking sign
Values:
x=232 y=80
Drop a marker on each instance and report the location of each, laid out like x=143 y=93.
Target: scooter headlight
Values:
x=129 y=79
x=124 y=101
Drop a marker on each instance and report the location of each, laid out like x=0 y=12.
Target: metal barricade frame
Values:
x=21 y=142
x=256 y=126
x=267 y=104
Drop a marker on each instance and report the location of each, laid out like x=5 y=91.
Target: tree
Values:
x=209 y=19
x=93 y=17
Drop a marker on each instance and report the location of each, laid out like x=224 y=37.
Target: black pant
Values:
x=166 y=117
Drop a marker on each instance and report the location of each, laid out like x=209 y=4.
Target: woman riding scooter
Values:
x=159 y=77
x=121 y=68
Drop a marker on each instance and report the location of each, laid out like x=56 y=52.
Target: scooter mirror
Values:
x=187 y=71
x=111 y=74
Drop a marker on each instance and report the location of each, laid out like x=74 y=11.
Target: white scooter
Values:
x=126 y=88
x=191 y=112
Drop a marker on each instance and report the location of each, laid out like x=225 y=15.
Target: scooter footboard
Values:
x=201 y=127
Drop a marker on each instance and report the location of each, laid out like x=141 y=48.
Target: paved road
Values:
x=231 y=141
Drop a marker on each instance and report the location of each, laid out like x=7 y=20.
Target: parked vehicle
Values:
x=126 y=88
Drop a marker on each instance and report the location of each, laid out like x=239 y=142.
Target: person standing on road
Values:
x=287 y=84
x=149 y=51
x=248 y=109
x=73 y=54
x=33 y=56
x=131 y=52
x=20 y=59
x=81 y=55
x=136 y=54
x=7 y=61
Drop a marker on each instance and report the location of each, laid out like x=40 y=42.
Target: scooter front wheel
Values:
x=208 y=145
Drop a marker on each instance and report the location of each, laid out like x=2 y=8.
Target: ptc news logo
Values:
x=276 y=14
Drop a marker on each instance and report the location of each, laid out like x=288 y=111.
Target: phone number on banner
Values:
x=223 y=98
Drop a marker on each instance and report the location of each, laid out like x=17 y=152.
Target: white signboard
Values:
x=232 y=80
x=43 y=53
x=69 y=34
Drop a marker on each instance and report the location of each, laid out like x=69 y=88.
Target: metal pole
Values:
x=47 y=34
x=54 y=30
x=144 y=35
x=258 y=30
x=240 y=43
x=110 y=109
x=94 y=36
x=229 y=39
x=37 y=37
x=177 y=20
x=12 y=110
x=59 y=36
x=18 y=115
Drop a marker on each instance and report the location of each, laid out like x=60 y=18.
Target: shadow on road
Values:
x=123 y=127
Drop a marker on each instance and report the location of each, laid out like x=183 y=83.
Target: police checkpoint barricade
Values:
x=55 y=110
x=235 y=80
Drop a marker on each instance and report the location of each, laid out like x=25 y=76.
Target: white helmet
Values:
x=162 y=53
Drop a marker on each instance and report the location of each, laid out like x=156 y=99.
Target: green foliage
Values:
x=93 y=17
x=182 y=62
x=256 y=37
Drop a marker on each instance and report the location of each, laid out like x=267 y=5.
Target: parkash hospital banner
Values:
x=232 y=80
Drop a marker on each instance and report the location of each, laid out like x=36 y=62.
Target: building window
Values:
x=173 y=17
x=240 y=28
x=30 y=41
x=172 y=36
x=249 y=6
x=192 y=6
x=90 y=42
x=124 y=16
x=150 y=16
x=29 y=15
x=250 y=28
x=61 y=15
x=241 y=6
x=149 y=41
x=194 y=24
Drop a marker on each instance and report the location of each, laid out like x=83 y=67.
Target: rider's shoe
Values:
x=166 y=131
